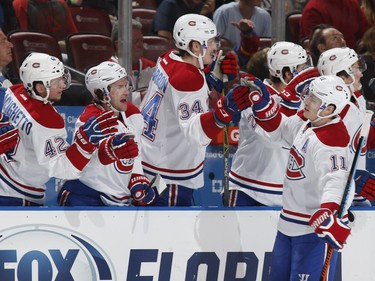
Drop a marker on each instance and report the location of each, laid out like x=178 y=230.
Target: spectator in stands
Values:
x=291 y=6
x=368 y=9
x=366 y=48
x=52 y=17
x=257 y=65
x=346 y=16
x=106 y=5
x=5 y=58
x=249 y=43
x=170 y=10
x=142 y=68
x=8 y=20
x=226 y=16
x=324 y=38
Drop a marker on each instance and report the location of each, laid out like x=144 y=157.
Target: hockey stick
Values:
x=80 y=74
x=361 y=142
x=226 y=155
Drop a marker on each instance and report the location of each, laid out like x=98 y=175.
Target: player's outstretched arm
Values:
x=291 y=95
x=236 y=100
x=223 y=69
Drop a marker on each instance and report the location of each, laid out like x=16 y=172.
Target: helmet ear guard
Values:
x=43 y=68
x=99 y=78
x=289 y=55
x=339 y=61
x=331 y=90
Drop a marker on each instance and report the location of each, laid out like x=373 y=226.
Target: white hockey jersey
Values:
x=258 y=166
x=317 y=170
x=113 y=179
x=40 y=153
x=173 y=141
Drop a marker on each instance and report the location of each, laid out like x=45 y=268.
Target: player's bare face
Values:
x=5 y=50
x=56 y=89
x=211 y=51
x=311 y=107
x=356 y=73
x=119 y=93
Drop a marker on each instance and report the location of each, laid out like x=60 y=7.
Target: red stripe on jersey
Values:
x=307 y=216
x=36 y=189
x=173 y=195
x=256 y=181
x=173 y=171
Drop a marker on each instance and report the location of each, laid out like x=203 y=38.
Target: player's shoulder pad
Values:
x=131 y=110
x=43 y=113
x=147 y=63
x=185 y=77
x=333 y=135
x=89 y=111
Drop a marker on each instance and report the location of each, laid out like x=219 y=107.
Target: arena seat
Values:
x=85 y=50
x=89 y=19
x=26 y=42
x=145 y=17
x=154 y=46
x=293 y=22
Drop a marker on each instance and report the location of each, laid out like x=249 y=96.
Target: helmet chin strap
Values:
x=199 y=57
x=39 y=97
x=107 y=101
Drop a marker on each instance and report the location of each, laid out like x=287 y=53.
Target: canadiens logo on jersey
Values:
x=124 y=166
x=355 y=140
x=296 y=162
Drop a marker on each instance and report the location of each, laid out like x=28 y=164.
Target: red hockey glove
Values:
x=329 y=227
x=117 y=147
x=142 y=192
x=94 y=130
x=365 y=184
x=264 y=106
x=236 y=100
x=8 y=138
x=291 y=95
x=223 y=65
x=229 y=66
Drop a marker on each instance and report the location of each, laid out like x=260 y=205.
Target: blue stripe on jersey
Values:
x=41 y=196
x=293 y=220
x=255 y=188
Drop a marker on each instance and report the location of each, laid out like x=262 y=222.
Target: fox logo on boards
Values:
x=44 y=252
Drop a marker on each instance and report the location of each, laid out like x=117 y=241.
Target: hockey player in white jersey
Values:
x=252 y=180
x=315 y=179
x=345 y=63
x=178 y=123
x=42 y=151
x=114 y=175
